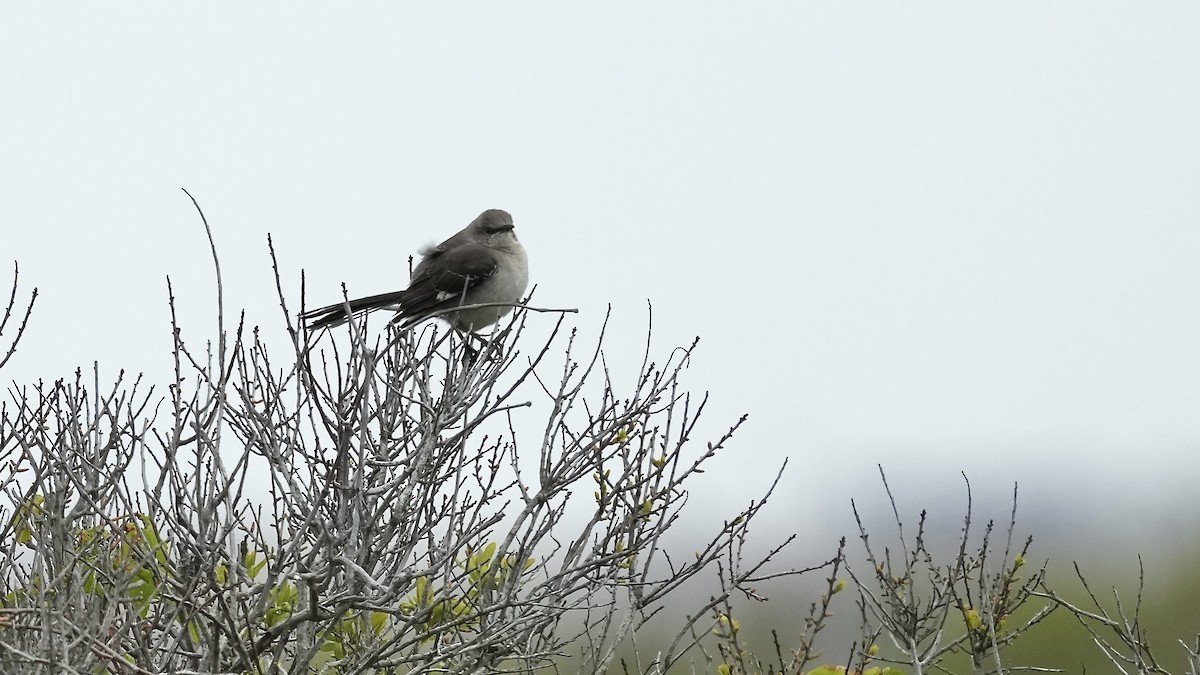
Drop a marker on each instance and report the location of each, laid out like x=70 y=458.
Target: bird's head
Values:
x=494 y=227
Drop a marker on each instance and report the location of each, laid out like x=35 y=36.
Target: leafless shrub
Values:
x=733 y=654
x=911 y=597
x=1117 y=631
x=358 y=506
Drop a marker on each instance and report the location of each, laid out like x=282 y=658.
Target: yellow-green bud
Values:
x=972 y=618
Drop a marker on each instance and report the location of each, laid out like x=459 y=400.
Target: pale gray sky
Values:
x=942 y=236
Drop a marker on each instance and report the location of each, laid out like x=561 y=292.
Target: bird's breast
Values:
x=509 y=281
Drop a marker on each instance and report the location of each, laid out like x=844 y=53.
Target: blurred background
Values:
x=946 y=239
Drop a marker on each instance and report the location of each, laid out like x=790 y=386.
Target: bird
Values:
x=483 y=263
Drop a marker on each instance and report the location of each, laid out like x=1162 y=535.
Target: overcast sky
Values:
x=942 y=237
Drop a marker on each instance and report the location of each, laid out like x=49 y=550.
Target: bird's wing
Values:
x=444 y=277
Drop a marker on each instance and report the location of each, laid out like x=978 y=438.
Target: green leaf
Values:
x=828 y=670
x=283 y=599
x=30 y=510
x=253 y=564
x=378 y=622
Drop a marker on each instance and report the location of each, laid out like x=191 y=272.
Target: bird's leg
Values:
x=470 y=354
x=496 y=342
x=493 y=344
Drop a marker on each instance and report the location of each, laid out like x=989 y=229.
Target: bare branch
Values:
x=8 y=314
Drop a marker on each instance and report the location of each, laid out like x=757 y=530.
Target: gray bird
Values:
x=484 y=263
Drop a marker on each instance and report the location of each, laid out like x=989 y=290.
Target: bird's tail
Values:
x=335 y=315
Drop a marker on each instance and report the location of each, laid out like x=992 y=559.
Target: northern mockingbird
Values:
x=484 y=263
